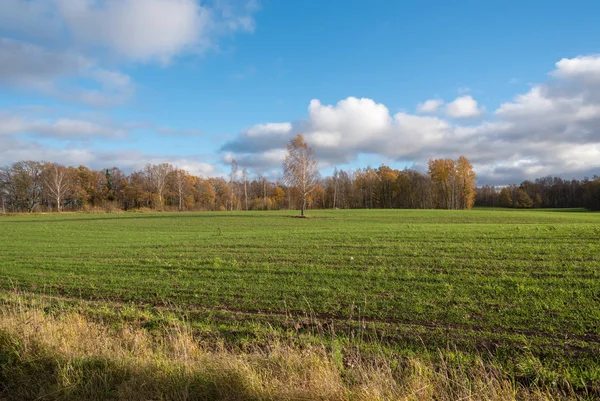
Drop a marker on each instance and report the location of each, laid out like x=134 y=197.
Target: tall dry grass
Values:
x=70 y=357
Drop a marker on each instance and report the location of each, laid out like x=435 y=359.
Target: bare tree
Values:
x=157 y=176
x=232 y=177
x=335 y=186
x=57 y=182
x=300 y=168
x=5 y=186
x=22 y=183
x=245 y=178
x=180 y=183
x=263 y=180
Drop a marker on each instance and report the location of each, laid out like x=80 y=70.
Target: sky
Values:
x=512 y=85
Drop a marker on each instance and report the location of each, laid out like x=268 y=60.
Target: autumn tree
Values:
x=454 y=182
x=222 y=193
x=205 y=194
x=300 y=169
x=443 y=173
x=505 y=198
x=89 y=186
x=278 y=195
x=522 y=200
x=465 y=179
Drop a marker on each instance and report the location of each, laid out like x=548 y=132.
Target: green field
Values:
x=522 y=287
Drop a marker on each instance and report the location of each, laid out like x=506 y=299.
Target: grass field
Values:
x=521 y=288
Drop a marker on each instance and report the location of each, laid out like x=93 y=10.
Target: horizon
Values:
x=124 y=83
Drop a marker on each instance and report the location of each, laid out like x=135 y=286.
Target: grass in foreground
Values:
x=66 y=356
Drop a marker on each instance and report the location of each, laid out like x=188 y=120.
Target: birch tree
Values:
x=245 y=178
x=335 y=186
x=300 y=169
x=57 y=182
x=180 y=184
x=232 y=178
x=157 y=176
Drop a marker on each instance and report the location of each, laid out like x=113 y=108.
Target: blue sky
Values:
x=511 y=85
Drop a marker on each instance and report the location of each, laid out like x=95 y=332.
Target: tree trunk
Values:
x=335 y=195
x=303 y=205
x=246 y=194
x=265 y=194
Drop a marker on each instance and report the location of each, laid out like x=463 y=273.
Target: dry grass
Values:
x=69 y=357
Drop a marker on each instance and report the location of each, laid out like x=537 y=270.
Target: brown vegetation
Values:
x=66 y=356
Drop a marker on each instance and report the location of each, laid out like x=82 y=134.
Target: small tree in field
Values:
x=300 y=169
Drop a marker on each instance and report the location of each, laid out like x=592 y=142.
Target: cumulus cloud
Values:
x=463 y=107
x=553 y=129
x=137 y=29
x=430 y=106
x=585 y=68
x=260 y=138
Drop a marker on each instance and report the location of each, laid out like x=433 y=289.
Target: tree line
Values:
x=33 y=186
x=544 y=192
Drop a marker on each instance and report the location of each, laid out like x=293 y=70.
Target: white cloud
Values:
x=61 y=128
x=430 y=106
x=586 y=68
x=54 y=73
x=269 y=129
x=261 y=137
x=137 y=29
x=23 y=63
x=62 y=42
x=463 y=107
x=553 y=129
x=35 y=121
x=189 y=164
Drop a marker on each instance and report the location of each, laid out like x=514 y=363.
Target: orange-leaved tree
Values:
x=454 y=182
